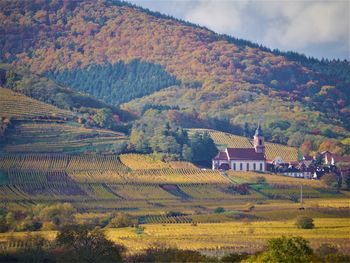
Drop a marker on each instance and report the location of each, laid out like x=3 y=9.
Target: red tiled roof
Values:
x=221 y=156
x=245 y=154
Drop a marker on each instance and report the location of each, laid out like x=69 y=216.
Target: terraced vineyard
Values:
x=88 y=179
x=96 y=184
x=17 y=106
x=52 y=137
x=142 y=162
x=37 y=127
x=272 y=150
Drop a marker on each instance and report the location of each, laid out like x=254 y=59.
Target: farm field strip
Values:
x=251 y=177
x=213 y=235
x=142 y=162
x=57 y=162
x=17 y=106
x=228 y=236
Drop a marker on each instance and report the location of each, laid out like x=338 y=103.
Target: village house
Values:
x=243 y=159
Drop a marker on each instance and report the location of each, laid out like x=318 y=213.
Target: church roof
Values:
x=221 y=156
x=245 y=154
x=258 y=131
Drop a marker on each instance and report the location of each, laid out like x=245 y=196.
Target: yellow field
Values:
x=226 y=237
x=251 y=177
x=182 y=165
x=272 y=150
x=238 y=236
x=142 y=162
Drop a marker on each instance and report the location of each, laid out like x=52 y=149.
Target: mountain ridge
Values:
x=237 y=83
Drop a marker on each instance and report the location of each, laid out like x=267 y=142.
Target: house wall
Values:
x=236 y=165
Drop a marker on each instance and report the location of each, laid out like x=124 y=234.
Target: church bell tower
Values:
x=259 y=143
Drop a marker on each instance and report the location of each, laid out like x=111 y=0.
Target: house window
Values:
x=234 y=166
x=261 y=166
x=247 y=166
x=260 y=142
x=241 y=166
x=254 y=166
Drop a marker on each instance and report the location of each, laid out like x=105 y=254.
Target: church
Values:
x=243 y=159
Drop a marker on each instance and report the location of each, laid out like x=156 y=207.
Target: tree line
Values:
x=116 y=83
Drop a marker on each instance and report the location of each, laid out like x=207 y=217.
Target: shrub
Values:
x=219 y=210
x=233 y=258
x=285 y=249
x=121 y=220
x=304 y=222
x=83 y=244
x=260 y=179
x=174 y=213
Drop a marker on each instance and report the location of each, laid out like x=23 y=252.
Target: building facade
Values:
x=243 y=159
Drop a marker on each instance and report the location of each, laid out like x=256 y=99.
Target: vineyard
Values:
x=17 y=106
x=229 y=237
x=138 y=178
x=272 y=150
x=53 y=137
x=142 y=162
x=89 y=180
x=149 y=189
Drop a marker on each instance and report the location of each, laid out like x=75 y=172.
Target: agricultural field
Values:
x=231 y=236
x=36 y=127
x=17 y=106
x=58 y=137
x=175 y=204
x=272 y=150
x=214 y=239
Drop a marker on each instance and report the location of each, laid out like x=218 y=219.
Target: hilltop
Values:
x=203 y=79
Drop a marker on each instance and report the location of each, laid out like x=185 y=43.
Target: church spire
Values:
x=259 y=144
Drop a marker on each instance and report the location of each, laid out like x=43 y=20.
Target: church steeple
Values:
x=259 y=143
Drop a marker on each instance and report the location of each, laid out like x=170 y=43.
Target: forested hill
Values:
x=219 y=77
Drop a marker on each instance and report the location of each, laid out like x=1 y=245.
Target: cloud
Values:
x=306 y=24
x=316 y=27
x=220 y=16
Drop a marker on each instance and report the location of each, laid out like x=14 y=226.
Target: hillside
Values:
x=29 y=125
x=218 y=78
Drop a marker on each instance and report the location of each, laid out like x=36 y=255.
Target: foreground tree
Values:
x=286 y=250
x=83 y=244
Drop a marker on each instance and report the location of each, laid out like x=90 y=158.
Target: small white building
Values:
x=243 y=159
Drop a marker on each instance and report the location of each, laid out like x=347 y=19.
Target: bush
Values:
x=174 y=213
x=166 y=254
x=285 y=249
x=121 y=220
x=233 y=258
x=260 y=180
x=83 y=244
x=304 y=222
x=219 y=210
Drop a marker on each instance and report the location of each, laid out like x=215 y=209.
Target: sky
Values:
x=315 y=28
